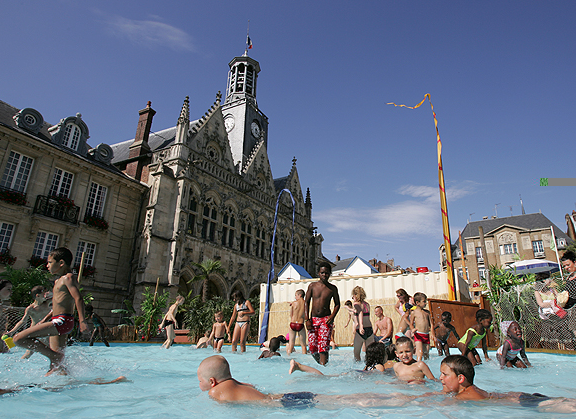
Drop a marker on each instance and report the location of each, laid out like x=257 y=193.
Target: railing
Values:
x=539 y=254
x=51 y=207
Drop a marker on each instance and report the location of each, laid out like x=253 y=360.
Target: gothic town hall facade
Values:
x=211 y=195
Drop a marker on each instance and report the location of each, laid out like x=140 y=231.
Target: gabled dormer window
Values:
x=71 y=133
x=71 y=136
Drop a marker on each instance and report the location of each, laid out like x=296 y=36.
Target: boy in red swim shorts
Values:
x=319 y=318
x=65 y=295
x=297 y=323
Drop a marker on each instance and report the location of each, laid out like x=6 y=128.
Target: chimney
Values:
x=337 y=258
x=139 y=149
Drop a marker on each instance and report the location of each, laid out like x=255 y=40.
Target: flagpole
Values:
x=247 y=39
x=443 y=202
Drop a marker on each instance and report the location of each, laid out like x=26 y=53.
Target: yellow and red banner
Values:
x=443 y=203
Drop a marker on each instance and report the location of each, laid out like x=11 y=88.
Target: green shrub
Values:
x=23 y=280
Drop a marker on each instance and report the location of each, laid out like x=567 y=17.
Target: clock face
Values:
x=255 y=129
x=229 y=123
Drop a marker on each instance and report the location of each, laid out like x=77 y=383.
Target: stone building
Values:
x=528 y=236
x=57 y=191
x=211 y=195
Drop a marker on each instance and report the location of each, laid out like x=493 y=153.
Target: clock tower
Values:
x=245 y=124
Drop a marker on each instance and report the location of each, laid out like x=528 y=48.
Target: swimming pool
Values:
x=163 y=383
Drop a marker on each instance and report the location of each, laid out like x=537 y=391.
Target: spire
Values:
x=183 y=123
x=185 y=112
x=308 y=204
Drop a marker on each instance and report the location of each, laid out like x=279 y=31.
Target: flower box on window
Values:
x=96 y=221
x=87 y=272
x=12 y=196
x=6 y=258
x=37 y=261
x=63 y=201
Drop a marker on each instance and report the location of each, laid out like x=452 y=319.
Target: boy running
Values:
x=65 y=295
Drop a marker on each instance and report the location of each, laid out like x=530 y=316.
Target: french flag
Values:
x=249 y=42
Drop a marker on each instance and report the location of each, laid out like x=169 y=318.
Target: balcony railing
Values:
x=58 y=209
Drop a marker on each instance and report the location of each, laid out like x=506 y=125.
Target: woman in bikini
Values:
x=242 y=311
x=364 y=332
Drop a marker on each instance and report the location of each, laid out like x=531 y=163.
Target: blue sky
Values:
x=500 y=74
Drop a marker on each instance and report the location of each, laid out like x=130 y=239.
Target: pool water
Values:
x=163 y=383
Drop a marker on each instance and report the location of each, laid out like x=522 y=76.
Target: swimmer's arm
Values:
x=389 y=328
x=504 y=358
x=426 y=370
x=20 y=323
x=360 y=313
x=212 y=334
x=485 y=347
x=307 y=299
x=72 y=286
x=349 y=316
x=469 y=336
x=411 y=320
x=250 y=309
x=336 y=298
x=453 y=329
x=432 y=333
x=525 y=358
x=234 y=313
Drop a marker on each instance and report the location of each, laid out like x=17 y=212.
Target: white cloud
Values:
x=420 y=216
x=150 y=33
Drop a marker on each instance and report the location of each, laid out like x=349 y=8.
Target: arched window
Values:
x=71 y=136
x=228 y=228
x=192 y=215
x=245 y=236
x=260 y=246
x=209 y=217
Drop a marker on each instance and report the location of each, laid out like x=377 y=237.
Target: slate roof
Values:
x=7 y=113
x=157 y=141
x=301 y=271
x=280 y=183
x=525 y=222
x=342 y=264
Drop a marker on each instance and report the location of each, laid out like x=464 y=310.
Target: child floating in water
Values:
x=408 y=369
x=442 y=332
x=467 y=344
x=507 y=354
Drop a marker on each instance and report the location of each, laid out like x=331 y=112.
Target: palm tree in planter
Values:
x=206 y=268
